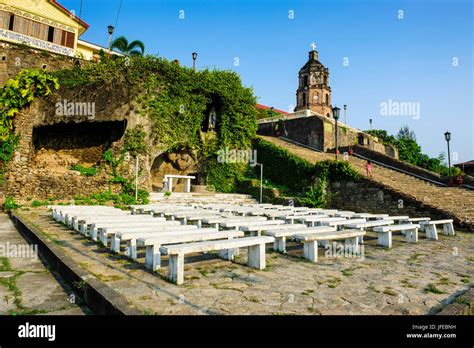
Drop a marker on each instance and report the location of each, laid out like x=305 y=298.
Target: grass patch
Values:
x=203 y=272
x=334 y=282
x=444 y=281
x=5 y=264
x=85 y=171
x=389 y=292
x=307 y=292
x=433 y=289
x=347 y=272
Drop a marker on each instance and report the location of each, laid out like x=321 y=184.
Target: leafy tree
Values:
x=134 y=48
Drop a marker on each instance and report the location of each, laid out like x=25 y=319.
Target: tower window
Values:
x=327 y=99
x=305 y=81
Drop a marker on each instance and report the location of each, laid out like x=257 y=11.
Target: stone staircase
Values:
x=208 y=197
x=457 y=203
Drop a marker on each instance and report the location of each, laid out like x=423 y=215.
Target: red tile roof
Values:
x=465 y=164
x=65 y=10
x=260 y=106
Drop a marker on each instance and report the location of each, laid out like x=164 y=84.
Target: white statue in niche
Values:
x=212 y=119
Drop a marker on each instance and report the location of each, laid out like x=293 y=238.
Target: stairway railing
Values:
x=381 y=164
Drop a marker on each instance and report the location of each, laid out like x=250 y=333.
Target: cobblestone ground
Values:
x=26 y=285
x=408 y=279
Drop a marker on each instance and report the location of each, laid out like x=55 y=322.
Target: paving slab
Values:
x=409 y=279
x=26 y=284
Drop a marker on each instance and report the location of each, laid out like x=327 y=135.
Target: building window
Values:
x=36 y=29
x=51 y=34
x=327 y=99
x=12 y=21
x=305 y=79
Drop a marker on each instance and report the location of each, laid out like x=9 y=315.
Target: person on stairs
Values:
x=368 y=167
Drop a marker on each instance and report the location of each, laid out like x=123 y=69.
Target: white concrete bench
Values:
x=72 y=220
x=236 y=224
x=310 y=241
x=95 y=227
x=58 y=210
x=109 y=232
x=363 y=226
x=154 y=243
x=130 y=238
x=85 y=224
x=281 y=233
x=256 y=253
x=385 y=233
x=429 y=227
x=169 y=179
x=257 y=228
x=417 y=219
x=319 y=220
x=216 y=221
x=64 y=216
x=340 y=223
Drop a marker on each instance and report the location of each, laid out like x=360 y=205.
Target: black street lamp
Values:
x=345 y=113
x=195 y=55
x=335 y=114
x=447 y=136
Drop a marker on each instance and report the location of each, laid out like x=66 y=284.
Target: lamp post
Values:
x=370 y=123
x=335 y=114
x=110 y=29
x=345 y=113
x=195 y=55
x=447 y=136
x=261 y=182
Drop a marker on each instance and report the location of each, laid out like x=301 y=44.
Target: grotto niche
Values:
x=175 y=163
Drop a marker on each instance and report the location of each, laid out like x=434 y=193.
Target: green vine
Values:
x=15 y=95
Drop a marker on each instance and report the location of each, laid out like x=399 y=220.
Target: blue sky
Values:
x=403 y=60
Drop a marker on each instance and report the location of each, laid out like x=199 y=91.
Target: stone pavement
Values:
x=408 y=279
x=26 y=285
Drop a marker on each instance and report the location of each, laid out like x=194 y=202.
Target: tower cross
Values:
x=313 y=45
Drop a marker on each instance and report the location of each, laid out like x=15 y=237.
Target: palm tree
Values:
x=134 y=48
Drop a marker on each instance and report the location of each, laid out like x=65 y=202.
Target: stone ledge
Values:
x=463 y=305
x=99 y=297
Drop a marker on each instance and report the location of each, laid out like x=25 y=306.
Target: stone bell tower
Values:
x=313 y=90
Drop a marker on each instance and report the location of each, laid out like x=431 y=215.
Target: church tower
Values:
x=313 y=90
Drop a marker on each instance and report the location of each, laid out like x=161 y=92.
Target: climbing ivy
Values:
x=177 y=101
x=15 y=95
x=306 y=181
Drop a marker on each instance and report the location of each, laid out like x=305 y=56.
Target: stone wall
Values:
x=15 y=57
x=319 y=132
x=372 y=197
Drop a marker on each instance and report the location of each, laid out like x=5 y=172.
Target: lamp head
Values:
x=335 y=112
x=447 y=136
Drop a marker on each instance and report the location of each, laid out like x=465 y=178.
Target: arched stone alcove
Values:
x=178 y=163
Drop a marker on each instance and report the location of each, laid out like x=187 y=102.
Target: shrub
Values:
x=85 y=171
x=10 y=204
